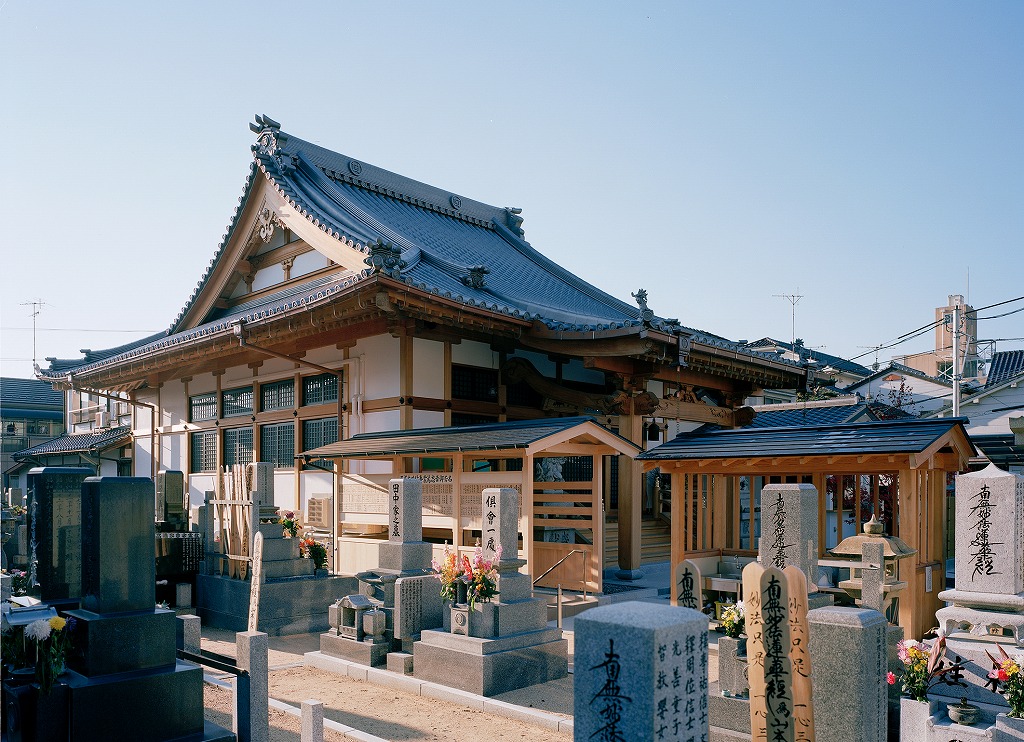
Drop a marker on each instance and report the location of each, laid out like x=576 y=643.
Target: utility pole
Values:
x=956 y=360
x=793 y=299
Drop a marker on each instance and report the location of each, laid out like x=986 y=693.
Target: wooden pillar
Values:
x=526 y=519
x=719 y=511
x=456 y=500
x=631 y=428
x=678 y=522
x=597 y=518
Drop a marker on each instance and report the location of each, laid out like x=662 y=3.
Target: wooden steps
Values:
x=655 y=542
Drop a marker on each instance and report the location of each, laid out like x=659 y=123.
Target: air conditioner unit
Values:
x=102 y=419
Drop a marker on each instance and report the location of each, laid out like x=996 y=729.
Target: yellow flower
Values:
x=57 y=623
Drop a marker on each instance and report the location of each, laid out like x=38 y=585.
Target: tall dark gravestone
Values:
x=55 y=531
x=125 y=646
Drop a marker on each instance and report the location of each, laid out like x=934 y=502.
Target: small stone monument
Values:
x=403 y=589
x=687 y=590
x=789 y=533
x=641 y=673
x=988 y=598
x=506 y=643
x=849 y=652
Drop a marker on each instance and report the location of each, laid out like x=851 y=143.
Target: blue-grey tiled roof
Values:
x=823 y=359
x=486 y=437
x=78 y=443
x=29 y=393
x=891 y=436
x=441 y=235
x=1006 y=364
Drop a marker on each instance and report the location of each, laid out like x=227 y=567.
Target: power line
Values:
x=72 y=329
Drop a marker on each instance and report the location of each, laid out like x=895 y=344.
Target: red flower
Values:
x=890 y=679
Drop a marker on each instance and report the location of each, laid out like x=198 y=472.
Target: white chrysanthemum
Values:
x=38 y=630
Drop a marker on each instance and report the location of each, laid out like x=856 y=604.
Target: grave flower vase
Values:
x=914 y=716
x=1008 y=729
x=732 y=666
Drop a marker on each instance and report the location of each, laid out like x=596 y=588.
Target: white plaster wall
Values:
x=268 y=276
x=174 y=406
x=381 y=360
x=172 y=451
x=284 y=489
x=327 y=356
x=472 y=353
x=990 y=416
x=198 y=486
x=309 y=262
x=236 y=376
x=427 y=419
x=427 y=368
x=202 y=384
x=317 y=484
x=142 y=456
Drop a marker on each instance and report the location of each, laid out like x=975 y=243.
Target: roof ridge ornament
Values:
x=646 y=314
x=475 y=279
x=385 y=259
x=513 y=221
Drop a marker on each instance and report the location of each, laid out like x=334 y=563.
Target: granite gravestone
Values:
x=789 y=534
x=687 y=589
x=55 y=531
x=405 y=551
x=641 y=673
x=849 y=651
x=125 y=647
x=170 y=497
x=872 y=576
x=988 y=598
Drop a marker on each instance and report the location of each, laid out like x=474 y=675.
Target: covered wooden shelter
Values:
x=898 y=469
x=456 y=464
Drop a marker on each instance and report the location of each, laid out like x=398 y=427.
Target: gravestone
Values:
x=988 y=598
x=170 y=497
x=55 y=531
x=405 y=551
x=687 y=590
x=849 y=652
x=255 y=582
x=417 y=606
x=789 y=534
x=641 y=673
x=503 y=644
x=125 y=646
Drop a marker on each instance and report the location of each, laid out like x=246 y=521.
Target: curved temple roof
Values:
x=431 y=239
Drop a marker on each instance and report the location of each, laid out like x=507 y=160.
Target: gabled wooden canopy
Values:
x=869 y=447
x=564 y=435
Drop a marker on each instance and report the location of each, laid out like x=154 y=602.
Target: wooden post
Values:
x=630 y=499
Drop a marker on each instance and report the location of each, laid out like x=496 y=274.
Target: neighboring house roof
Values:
x=431 y=239
x=768 y=344
x=899 y=368
x=1006 y=365
x=77 y=443
x=892 y=436
x=26 y=394
x=1001 y=450
x=487 y=437
x=819 y=416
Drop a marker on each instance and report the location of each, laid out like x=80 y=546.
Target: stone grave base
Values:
x=289 y=606
x=819 y=600
x=729 y=718
x=363 y=652
x=139 y=640
x=489 y=667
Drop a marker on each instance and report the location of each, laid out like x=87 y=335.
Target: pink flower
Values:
x=890 y=678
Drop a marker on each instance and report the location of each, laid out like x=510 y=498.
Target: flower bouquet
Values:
x=926 y=667
x=310 y=548
x=290 y=524
x=733 y=620
x=52 y=638
x=1007 y=677
x=478 y=577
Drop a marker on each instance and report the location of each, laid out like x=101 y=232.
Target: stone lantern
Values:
x=875 y=581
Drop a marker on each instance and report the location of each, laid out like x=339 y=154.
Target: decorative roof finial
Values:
x=475 y=279
x=646 y=315
x=385 y=258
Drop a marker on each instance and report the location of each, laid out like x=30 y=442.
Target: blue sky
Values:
x=866 y=155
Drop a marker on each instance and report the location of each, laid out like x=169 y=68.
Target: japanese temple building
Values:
x=898 y=470
x=347 y=302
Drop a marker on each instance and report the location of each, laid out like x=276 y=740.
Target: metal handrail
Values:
x=550 y=569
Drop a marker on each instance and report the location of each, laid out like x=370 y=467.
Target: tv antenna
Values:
x=37 y=307
x=793 y=299
x=876 y=348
